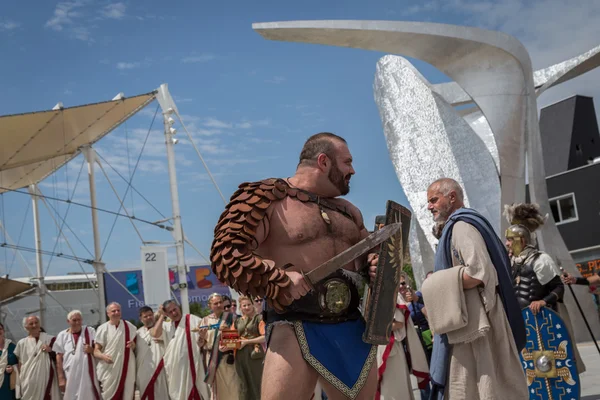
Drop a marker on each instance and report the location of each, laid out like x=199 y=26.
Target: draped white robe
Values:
x=37 y=374
x=79 y=367
x=180 y=364
x=150 y=365
x=118 y=377
x=4 y=360
x=393 y=370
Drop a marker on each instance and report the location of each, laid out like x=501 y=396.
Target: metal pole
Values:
x=90 y=156
x=177 y=229
x=38 y=253
x=581 y=311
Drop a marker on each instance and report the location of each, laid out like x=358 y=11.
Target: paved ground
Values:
x=590 y=379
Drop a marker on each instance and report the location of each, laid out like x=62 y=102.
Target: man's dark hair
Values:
x=319 y=143
x=170 y=301
x=145 y=309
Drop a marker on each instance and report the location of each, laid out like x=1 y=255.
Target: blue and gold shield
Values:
x=548 y=358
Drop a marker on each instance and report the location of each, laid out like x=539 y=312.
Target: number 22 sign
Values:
x=155 y=275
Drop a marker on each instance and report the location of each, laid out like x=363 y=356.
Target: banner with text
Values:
x=201 y=284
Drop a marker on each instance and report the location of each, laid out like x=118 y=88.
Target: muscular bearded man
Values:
x=270 y=233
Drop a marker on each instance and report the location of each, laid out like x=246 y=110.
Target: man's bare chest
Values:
x=295 y=222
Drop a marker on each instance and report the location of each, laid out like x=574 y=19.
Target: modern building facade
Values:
x=571 y=148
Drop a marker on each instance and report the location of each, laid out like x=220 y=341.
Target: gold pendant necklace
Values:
x=323 y=213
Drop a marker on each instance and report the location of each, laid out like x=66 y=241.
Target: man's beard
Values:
x=339 y=180
x=443 y=215
x=437 y=229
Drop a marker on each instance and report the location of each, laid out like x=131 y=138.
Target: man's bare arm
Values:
x=157 y=330
x=98 y=351
x=60 y=371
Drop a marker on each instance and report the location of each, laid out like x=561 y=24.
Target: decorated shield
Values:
x=548 y=358
x=380 y=302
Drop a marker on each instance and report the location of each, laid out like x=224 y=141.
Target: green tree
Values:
x=199 y=310
x=407 y=268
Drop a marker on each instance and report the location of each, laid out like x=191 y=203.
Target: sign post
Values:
x=155 y=276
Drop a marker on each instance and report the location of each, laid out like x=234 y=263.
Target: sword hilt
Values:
x=308 y=282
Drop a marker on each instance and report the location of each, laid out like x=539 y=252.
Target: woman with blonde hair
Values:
x=249 y=358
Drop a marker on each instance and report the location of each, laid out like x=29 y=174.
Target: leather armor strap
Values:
x=232 y=258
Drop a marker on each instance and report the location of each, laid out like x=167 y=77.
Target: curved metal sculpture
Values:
x=494 y=70
x=462 y=53
x=428 y=139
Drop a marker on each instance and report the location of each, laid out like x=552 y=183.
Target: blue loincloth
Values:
x=337 y=353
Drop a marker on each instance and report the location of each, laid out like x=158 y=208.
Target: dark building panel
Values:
x=584 y=183
x=556 y=124
x=585 y=140
x=570 y=137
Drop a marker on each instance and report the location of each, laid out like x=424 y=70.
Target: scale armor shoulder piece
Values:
x=232 y=252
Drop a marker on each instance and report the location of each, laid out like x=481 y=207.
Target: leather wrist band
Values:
x=582 y=281
x=551 y=298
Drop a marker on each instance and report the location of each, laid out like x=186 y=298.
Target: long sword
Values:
x=351 y=254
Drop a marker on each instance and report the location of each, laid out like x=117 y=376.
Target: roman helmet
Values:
x=524 y=220
x=520 y=236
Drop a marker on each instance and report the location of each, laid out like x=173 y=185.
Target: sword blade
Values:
x=351 y=253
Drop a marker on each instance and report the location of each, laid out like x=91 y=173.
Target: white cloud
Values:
x=127 y=65
x=276 y=80
x=8 y=25
x=244 y=125
x=252 y=124
x=206 y=132
x=198 y=58
x=65 y=14
x=76 y=17
x=215 y=123
x=114 y=11
x=81 y=33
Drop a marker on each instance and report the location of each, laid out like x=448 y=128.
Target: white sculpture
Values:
x=493 y=71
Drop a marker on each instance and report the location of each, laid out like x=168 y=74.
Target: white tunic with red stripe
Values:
x=79 y=366
x=117 y=379
x=37 y=378
x=395 y=365
x=151 y=377
x=183 y=360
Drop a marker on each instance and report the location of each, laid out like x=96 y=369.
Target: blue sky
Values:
x=249 y=103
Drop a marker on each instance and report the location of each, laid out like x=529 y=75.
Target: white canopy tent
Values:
x=35 y=145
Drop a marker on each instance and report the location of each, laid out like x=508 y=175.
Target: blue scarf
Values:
x=440 y=358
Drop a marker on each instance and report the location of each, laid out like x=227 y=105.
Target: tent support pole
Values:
x=90 y=157
x=38 y=253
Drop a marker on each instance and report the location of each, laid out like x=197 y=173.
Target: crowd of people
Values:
x=172 y=356
x=460 y=336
